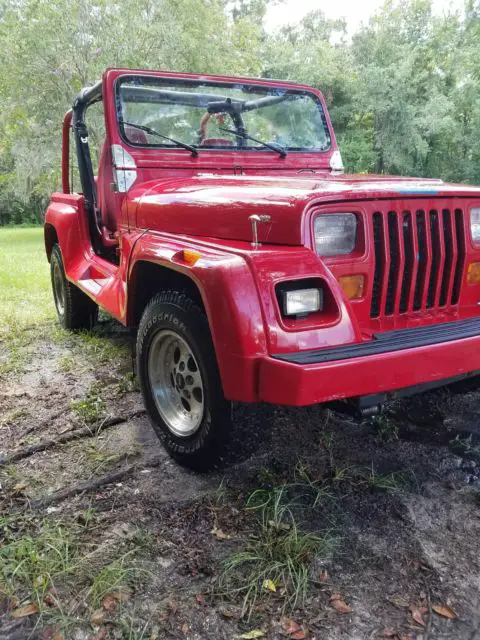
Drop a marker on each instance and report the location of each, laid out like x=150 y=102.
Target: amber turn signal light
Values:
x=473 y=276
x=353 y=286
x=190 y=256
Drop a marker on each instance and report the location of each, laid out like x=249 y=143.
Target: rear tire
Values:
x=74 y=308
x=180 y=382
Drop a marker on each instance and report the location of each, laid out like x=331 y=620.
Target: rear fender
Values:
x=65 y=222
x=229 y=296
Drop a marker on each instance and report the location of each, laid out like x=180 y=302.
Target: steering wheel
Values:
x=214 y=142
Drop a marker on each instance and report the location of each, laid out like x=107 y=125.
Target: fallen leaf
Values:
x=399 y=602
x=445 y=611
x=301 y=634
x=226 y=613
x=335 y=596
x=27 y=610
x=389 y=632
x=417 y=616
x=100 y=635
x=109 y=603
x=172 y=605
x=122 y=595
x=50 y=598
x=269 y=585
x=340 y=605
x=323 y=576
x=289 y=625
x=218 y=533
x=185 y=627
x=20 y=486
x=200 y=599
x=98 y=617
x=58 y=636
x=251 y=635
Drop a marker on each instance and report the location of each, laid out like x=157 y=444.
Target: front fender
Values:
x=230 y=298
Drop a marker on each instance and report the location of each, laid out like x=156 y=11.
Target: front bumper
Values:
x=396 y=360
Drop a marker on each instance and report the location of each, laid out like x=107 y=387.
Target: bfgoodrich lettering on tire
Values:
x=180 y=381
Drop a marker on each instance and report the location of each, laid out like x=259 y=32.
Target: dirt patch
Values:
x=399 y=498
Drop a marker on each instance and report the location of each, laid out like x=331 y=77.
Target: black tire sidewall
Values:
x=175 y=312
x=79 y=311
x=56 y=259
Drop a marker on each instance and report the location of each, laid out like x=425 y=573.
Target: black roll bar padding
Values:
x=85 y=98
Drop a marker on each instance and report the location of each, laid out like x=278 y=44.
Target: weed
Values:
x=99 y=348
x=318 y=489
x=465 y=447
x=11 y=417
x=115 y=576
x=368 y=478
x=87 y=517
x=99 y=461
x=127 y=384
x=66 y=364
x=277 y=555
x=143 y=539
x=386 y=428
x=33 y=564
x=91 y=409
x=221 y=492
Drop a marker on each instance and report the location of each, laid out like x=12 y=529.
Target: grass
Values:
x=386 y=428
x=277 y=555
x=27 y=306
x=465 y=446
x=91 y=409
x=24 y=280
x=32 y=563
x=48 y=563
x=27 y=302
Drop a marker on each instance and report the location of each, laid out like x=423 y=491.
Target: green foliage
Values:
x=278 y=554
x=91 y=408
x=33 y=563
x=404 y=94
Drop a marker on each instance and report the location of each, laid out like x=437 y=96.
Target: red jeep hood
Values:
x=220 y=206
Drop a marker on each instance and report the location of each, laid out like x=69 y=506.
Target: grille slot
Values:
x=460 y=237
x=419 y=260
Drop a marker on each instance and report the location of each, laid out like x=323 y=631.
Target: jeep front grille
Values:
x=419 y=260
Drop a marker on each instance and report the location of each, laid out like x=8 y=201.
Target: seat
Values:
x=216 y=142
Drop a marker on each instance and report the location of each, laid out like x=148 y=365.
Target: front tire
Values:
x=180 y=382
x=74 y=308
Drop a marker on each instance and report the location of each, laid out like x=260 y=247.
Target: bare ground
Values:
x=407 y=526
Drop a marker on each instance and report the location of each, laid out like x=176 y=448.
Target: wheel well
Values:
x=51 y=239
x=148 y=279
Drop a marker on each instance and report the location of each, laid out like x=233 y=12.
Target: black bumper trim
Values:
x=389 y=341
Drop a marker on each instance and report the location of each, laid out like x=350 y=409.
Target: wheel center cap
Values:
x=180 y=381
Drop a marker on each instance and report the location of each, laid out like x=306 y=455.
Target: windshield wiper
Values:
x=245 y=136
x=152 y=132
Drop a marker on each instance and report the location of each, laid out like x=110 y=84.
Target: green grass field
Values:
x=25 y=293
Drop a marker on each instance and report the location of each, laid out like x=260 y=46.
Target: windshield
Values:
x=213 y=115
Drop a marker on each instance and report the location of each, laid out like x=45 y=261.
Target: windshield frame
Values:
x=211 y=82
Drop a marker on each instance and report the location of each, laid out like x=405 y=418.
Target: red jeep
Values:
x=219 y=223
